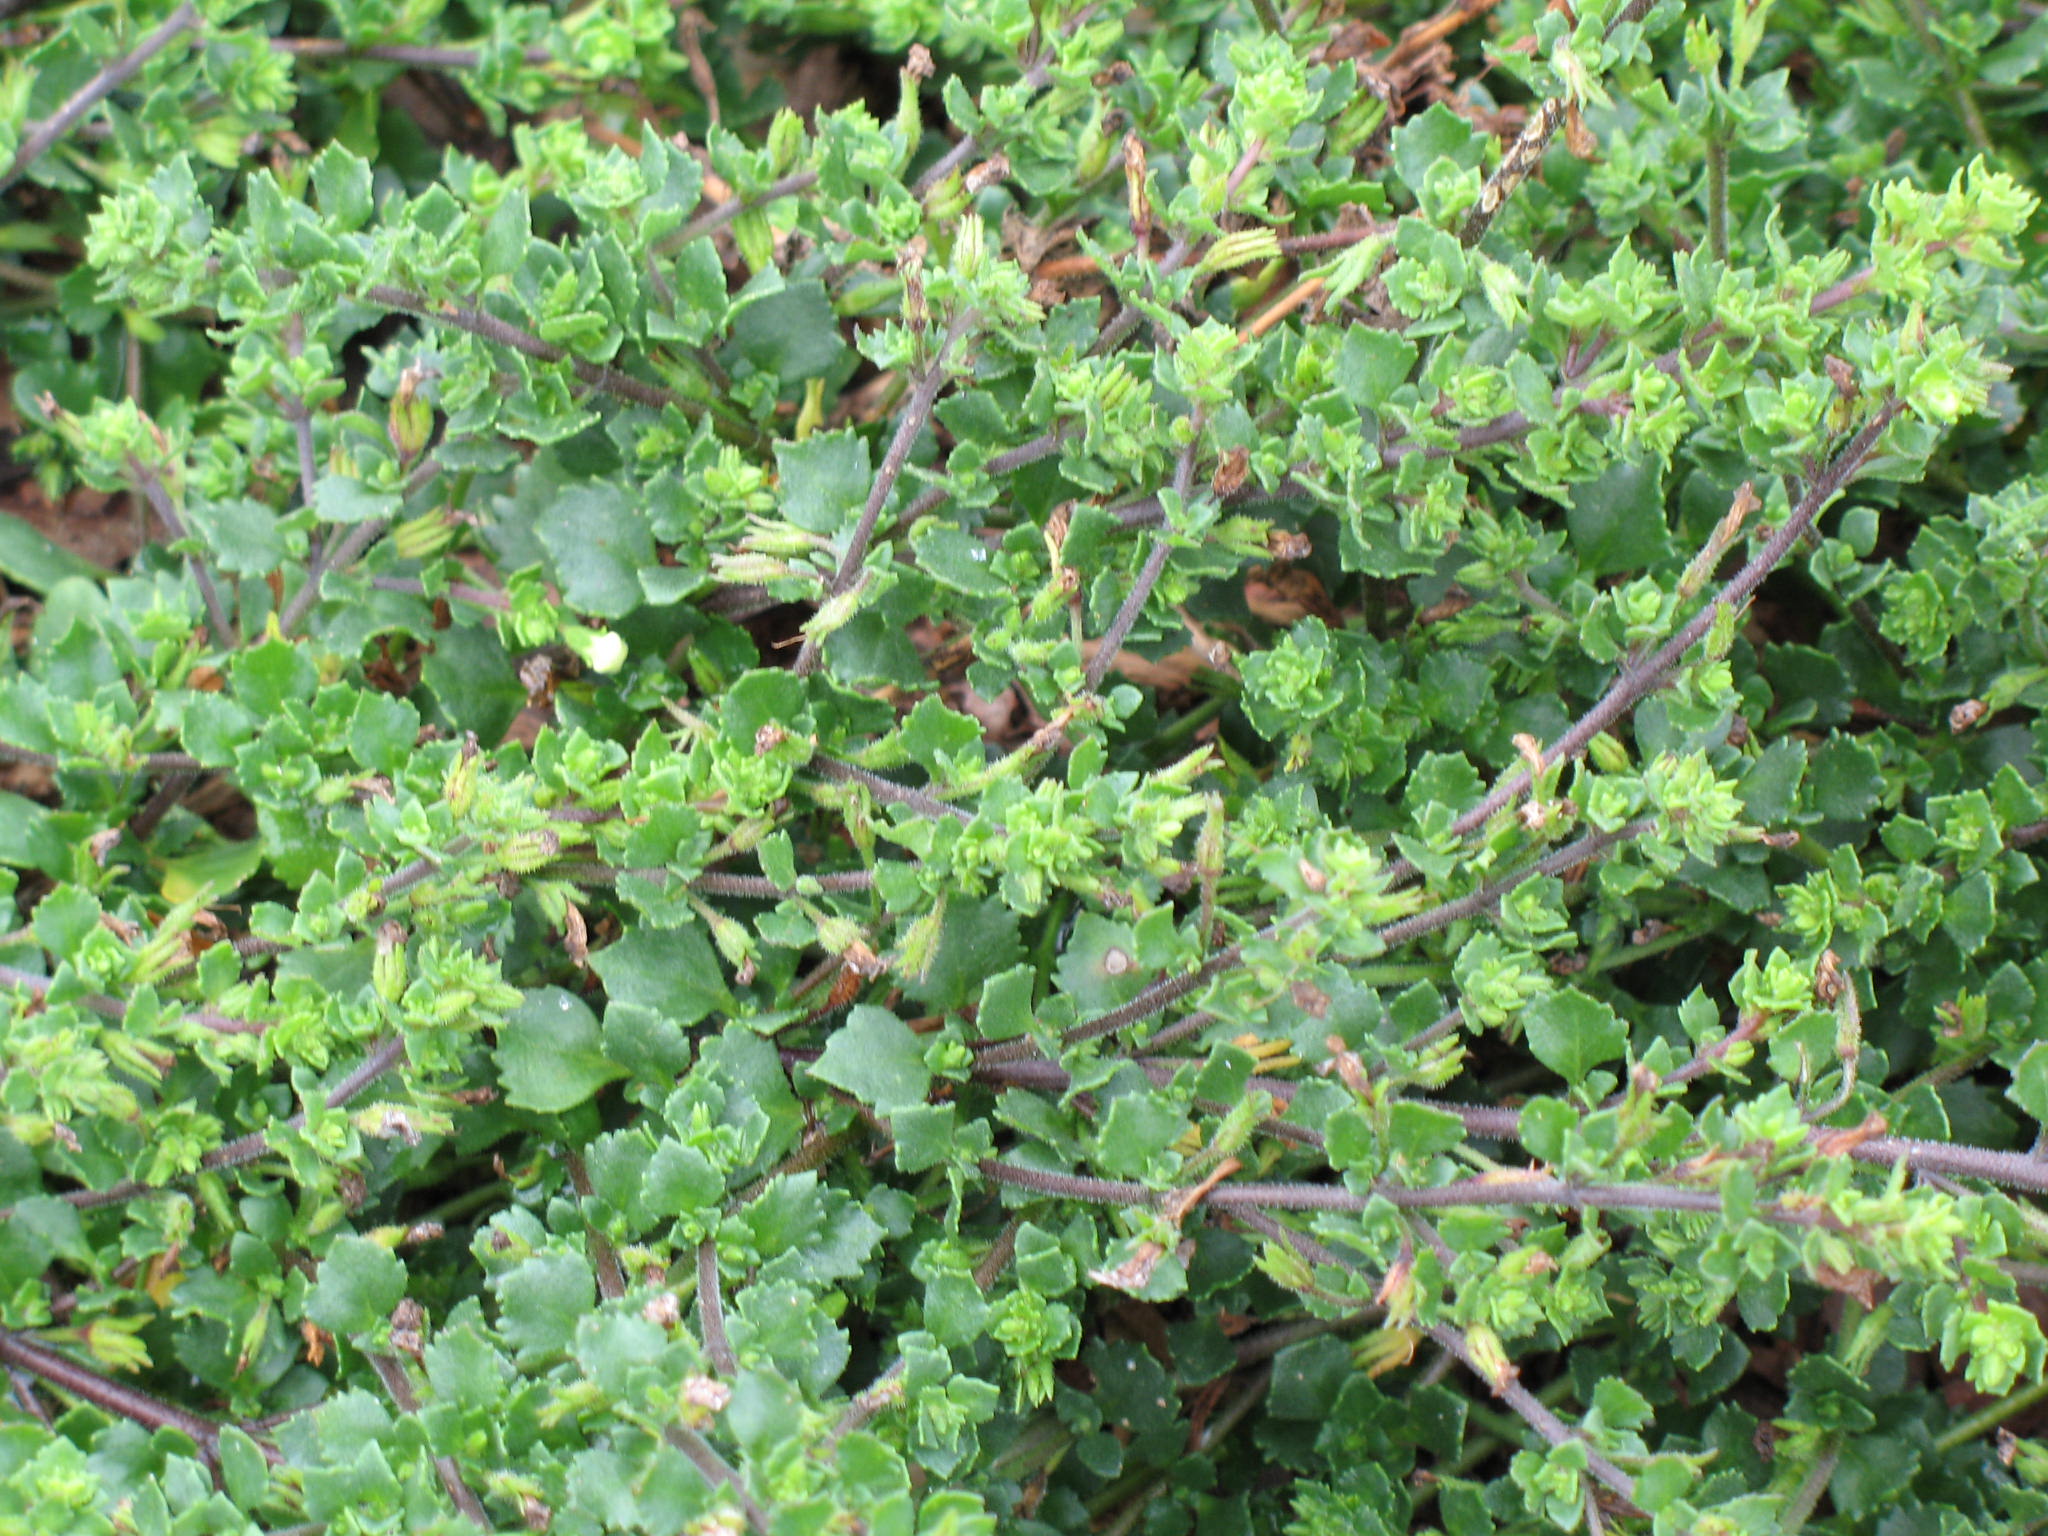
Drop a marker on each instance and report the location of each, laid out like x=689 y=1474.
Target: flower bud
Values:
x=458 y=789
x=387 y=970
x=524 y=852
x=420 y=538
x=410 y=422
x=1490 y=1357
x=947 y=200
x=600 y=649
x=1608 y=753
x=785 y=140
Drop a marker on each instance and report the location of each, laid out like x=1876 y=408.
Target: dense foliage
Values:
x=1226 y=767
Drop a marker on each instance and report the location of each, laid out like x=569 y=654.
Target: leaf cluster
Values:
x=1206 y=771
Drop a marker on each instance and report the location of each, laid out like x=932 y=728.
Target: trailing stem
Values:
x=37 y=141
x=916 y=416
x=1638 y=681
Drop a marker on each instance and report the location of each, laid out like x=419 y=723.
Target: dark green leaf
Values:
x=875 y=1057
x=360 y=1282
x=548 y=1053
x=1572 y=1033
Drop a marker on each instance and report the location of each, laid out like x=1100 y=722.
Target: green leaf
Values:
x=241 y=536
x=792 y=334
x=825 y=480
x=548 y=1053
x=681 y=1181
x=932 y=731
x=699 y=280
x=29 y=559
x=1617 y=521
x=271 y=675
x=215 y=726
x=383 y=733
x=1005 y=1010
x=1418 y=1132
x=1970 y=912
x=214 y=867
x=507 y=236
x=1662 y=1481
x=1436 y=133
x=598 y=541
x=28 y=840
x=65 y=919
x=473 y=682
x=1572 y=1033
x=977 y=939
x=957 y=559
x=672 y=971
x=541 y=1301
x=1139 y=1127
x=359 y=1284
x=245 y=1473
x=1770 y=788
x=875 y=1057
x=2029 y=1087
x=345 y=499
x=343 y=184
x=1372 y=364
x=1845 y=780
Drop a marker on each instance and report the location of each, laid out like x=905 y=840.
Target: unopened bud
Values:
x=601 y=650
x=745 y=569
x=387 y=969
x=524 y=852
x=970 y=248
x=917 y=310
x=410 y=422
x=458 y=789
x=785 y=140
x=835 y=612
x=422 y=537
x=1490 y=1357
x=1608 y=753
x=1397 y=1293
x=1135 y=171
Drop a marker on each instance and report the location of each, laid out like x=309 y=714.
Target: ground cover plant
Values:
x=922 y=767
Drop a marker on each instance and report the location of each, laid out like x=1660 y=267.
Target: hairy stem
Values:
x=410 y=55
x=1717 y=198
x=719 y=215
x=37 y=141
x=916 y=415
x=399 y=1389
x=159 y=498
x=490 y=328
x=332 y=557
x=385 y=1055
x=1636 y=682
x=711 y=1312
x=1148 y=574
x=21 y=1353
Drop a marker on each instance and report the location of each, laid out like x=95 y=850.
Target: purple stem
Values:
x=915 y=416
x=110 y=79
x=1636 y=682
